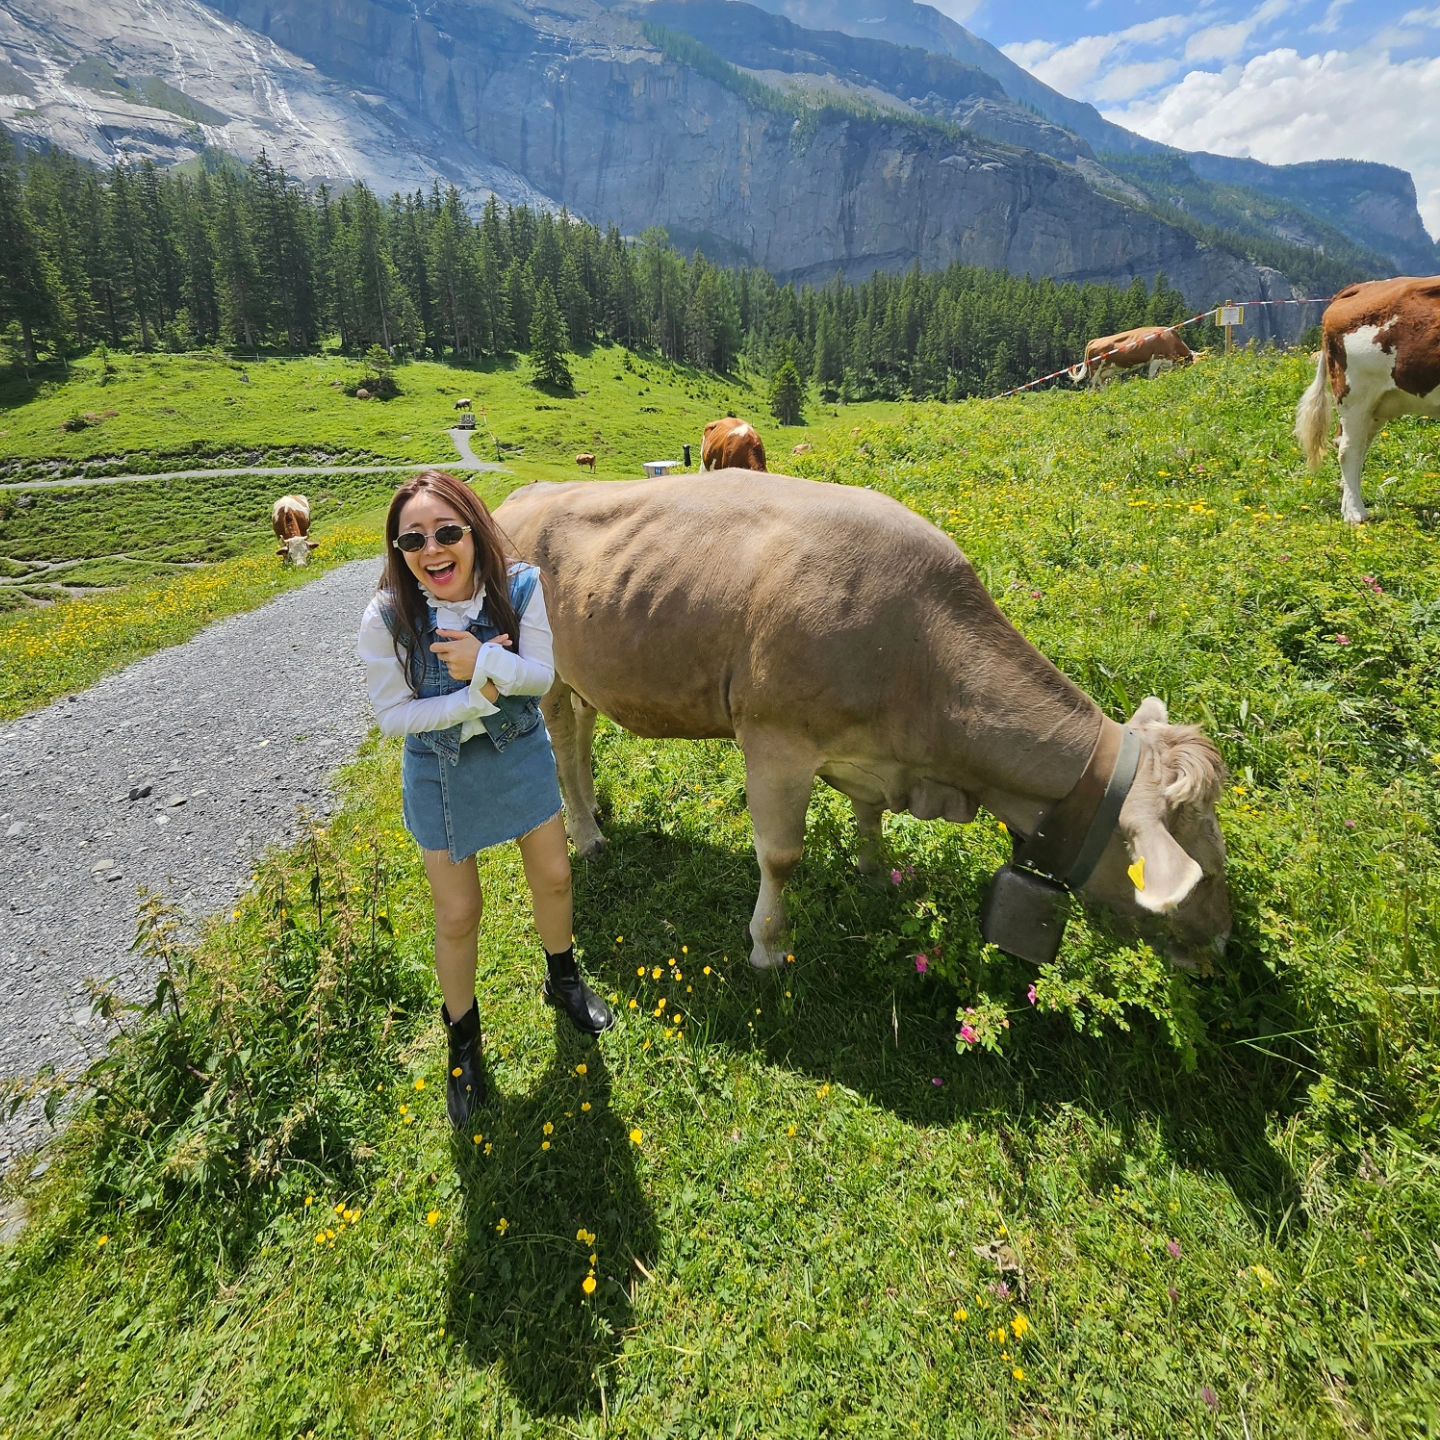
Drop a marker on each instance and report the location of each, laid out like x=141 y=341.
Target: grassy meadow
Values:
x=1142 y=1203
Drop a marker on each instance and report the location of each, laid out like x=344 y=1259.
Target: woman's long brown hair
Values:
x=490 y=562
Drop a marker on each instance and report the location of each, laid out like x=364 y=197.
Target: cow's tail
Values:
x=1077 y=373
x=1312 y=419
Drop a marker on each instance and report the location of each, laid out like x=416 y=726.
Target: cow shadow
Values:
x=853 y=1010
x=536 y=1207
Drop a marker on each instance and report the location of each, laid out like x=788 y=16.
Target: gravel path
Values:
x=234 y=732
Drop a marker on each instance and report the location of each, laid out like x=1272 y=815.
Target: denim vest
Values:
x=517 y=715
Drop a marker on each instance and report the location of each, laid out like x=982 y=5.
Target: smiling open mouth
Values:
x=441 y=573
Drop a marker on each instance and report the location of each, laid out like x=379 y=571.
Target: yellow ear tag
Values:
x=1137 y=873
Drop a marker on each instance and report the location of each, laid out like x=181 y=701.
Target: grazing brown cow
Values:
x=1380 y=357
x=834 y=633
x=586 y=459
x=290 y=515
x=732 y=444
x=1110 y=354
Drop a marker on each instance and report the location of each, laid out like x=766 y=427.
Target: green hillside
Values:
x=1143 y=1203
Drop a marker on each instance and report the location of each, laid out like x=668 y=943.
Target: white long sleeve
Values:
x=397 y=710
x=532 y=671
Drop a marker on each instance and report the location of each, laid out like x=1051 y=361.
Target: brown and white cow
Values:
x=1380 y=357
x=585 y=458
x=834 y=633
x=1149 y=345
x=731 y=444
x=290 y=515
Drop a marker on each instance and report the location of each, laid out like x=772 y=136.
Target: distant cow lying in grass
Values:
x=915 y=694
x=586 y=459
x=290 y=515
x=1149 y=345
x=1380 y=358
x=732 y=444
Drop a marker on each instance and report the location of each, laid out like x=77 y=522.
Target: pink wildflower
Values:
x=1342 y=639
x=1373 y=583
x=895 y=877
x=922 y=964
x=1031 y=995
x=936 y=1081
x=1173 y=1246
x=968 y=1035
x=1211 y=1399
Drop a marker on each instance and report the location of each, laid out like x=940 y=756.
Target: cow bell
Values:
x=1024 y=914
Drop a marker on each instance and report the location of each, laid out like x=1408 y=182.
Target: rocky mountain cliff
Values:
x=567 y=102
x=1373 y=205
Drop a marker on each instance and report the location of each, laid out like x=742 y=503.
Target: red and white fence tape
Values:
x=1168 y=329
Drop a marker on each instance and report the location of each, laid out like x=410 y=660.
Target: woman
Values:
x=457 y=647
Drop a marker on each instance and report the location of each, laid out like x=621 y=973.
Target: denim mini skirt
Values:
x=488 y=796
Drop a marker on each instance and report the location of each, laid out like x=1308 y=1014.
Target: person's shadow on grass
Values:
x=557 y=1232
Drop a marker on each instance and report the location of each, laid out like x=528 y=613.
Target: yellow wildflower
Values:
x=637 y=1136
x=582 y=1068
x=1020 y=1326
x=503 y=1226
x=103 y=1241
x=588 y=1284
x=419 y=1084
x=547 y=1128
x=433 y=1218
x=585 y=1107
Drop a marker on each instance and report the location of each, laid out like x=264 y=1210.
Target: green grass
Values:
x=1216 y=1201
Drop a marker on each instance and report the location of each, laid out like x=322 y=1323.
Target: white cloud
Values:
x=1283 y=107
x=1329 y=23
x=1218 y=42
x=1125 y=82
x=1429 y=18
x=1073 y=69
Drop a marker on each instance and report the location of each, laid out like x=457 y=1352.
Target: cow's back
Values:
x=690 y=605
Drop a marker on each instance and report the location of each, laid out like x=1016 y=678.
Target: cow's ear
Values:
x=1152 y=711
x=312 y=544
x=1161 y=872
x=279 y=549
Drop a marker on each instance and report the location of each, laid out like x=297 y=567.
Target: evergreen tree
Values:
x=787 y=394
x=547 y=342
x=27 y=280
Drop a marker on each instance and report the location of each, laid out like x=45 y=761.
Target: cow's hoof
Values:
x=763 y=958
x=1351 y=517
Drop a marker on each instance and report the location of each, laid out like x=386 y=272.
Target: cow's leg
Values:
x=870 y=846
x=778 y=779
x=577 y=788
x=1357 y=429
x=585 y=717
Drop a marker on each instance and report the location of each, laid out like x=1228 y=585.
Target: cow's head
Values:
x=1166 y=861
x=296 y=550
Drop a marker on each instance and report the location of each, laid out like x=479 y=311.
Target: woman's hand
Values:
x=459 y=650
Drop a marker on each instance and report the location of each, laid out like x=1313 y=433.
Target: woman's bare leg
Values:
x=459 y=904
x=546 y=857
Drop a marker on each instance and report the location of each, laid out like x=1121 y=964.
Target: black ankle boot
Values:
x=565 y=990
x=465 y=1090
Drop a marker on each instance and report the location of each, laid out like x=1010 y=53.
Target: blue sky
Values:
x=1279 y=80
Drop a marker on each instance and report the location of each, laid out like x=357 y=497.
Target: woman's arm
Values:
x=396 y=709
x=532 y=671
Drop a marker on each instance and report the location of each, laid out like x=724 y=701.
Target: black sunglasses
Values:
x=412 y=540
